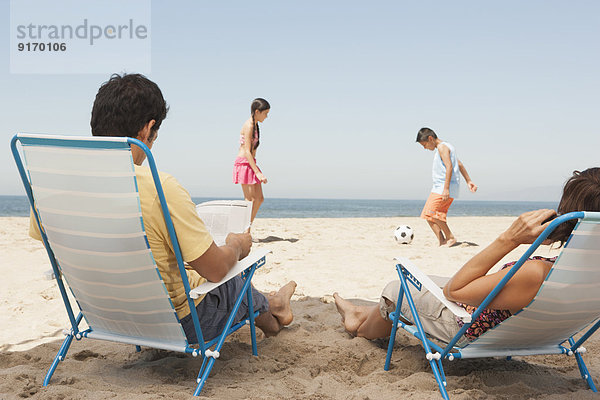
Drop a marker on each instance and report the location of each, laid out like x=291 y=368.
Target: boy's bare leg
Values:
x=437 y=231
x=280 y=311
x=362 y=321
x=450 y=239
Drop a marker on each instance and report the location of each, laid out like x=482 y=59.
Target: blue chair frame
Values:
x=209 y=356
x=435 y=354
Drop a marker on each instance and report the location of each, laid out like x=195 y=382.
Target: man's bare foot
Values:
x=451 y=242
x=352 y=315
x=443 y=241
x=279 y=303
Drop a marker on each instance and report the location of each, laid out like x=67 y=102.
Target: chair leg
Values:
x=396 y=316
x=208 y=364
x=438 y=373
x=204 y=360
x=388 y=357
x=62 y=353
x=251 y=321
x=207 y=368
x=442 y=374
x=585 y=374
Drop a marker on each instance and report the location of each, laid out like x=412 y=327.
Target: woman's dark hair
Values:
x=424 y=133
x=124 y=104
x=258 y=104
x=581 y=193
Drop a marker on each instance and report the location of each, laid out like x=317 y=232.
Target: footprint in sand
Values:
x=85 y=354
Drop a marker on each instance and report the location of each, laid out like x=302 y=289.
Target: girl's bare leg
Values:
x=362 y=321
x=254 y=194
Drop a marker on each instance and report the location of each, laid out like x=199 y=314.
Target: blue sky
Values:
x=513 y=85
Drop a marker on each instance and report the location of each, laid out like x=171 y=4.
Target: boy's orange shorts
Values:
x=436 y=208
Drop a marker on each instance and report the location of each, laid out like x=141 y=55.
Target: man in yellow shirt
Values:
x=132 y=105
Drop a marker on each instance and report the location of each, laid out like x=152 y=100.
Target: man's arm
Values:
x=445 y=156
x=216 y=261
x=472 y=186
x=197 y=246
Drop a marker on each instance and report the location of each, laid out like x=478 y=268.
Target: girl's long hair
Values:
x=258 y=104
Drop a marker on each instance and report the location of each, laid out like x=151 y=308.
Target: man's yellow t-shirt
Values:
x=192 y=234
x=194 y=239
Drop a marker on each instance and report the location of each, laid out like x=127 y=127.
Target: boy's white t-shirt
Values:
x=438 y=172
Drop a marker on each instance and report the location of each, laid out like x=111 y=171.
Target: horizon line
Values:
x=341 y=198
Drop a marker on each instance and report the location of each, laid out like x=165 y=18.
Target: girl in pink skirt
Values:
x=245 y=170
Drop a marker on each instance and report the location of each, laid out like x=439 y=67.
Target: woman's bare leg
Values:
x=362 y=321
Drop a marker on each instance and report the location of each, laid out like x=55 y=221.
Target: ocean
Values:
x=18 y=206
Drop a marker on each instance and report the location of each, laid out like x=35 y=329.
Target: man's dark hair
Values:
x=424 y=133
x=125 y=104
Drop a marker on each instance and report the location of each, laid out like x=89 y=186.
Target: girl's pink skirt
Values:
x=243 y=173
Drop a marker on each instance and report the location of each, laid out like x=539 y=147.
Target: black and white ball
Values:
x=404 y=234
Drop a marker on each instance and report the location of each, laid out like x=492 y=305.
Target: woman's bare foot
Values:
x=279 y=303
x=352 y=316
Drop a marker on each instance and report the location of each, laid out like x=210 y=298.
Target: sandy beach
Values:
x=311 y=359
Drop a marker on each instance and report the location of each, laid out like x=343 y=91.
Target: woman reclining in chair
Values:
x=470 y=285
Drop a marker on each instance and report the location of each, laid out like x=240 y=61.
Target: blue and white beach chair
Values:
x=567 y=304
x=84 y=196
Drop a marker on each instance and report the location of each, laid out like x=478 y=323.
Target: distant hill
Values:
x=536 y=193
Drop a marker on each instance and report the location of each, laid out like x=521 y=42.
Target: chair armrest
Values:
x=252 y=258
x=434 y=289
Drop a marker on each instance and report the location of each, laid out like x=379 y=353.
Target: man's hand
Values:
x=472 y=186
x=243 y=241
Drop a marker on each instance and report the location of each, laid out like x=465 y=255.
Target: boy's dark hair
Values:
x=424 y=133
x=124 y=104
x=581 y=193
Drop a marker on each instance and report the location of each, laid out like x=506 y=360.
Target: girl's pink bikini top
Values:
x=254 y=139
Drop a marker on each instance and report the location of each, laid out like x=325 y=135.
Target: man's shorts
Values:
x=436 y=208
x=216 y=306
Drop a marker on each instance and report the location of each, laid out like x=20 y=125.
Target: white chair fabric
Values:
x=89 y=206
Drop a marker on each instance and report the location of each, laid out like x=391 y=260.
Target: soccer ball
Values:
x=404 y=234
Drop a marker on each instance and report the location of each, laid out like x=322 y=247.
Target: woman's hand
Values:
x=261 y=177
x=527 y=227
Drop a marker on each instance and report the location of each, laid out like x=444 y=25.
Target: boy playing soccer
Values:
x=446 y=167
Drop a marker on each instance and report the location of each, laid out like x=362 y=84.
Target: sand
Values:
x=311 y=359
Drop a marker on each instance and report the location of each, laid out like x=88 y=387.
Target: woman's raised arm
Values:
x=470 y=285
